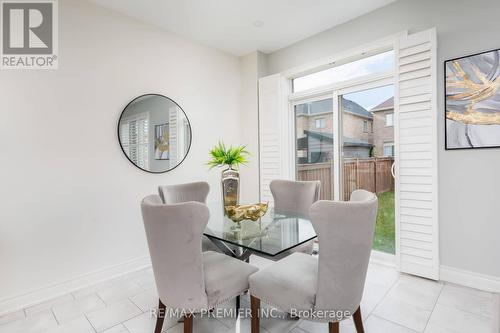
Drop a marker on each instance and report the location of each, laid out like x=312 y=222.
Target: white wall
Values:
x=468 y=180
x=69 y=197
x=252 y=67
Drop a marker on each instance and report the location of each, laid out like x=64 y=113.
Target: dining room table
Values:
x=269 y=236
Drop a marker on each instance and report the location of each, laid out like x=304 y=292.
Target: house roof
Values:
x=349 y=142
x=385 y=105
x=355 y=108
x=326 y=105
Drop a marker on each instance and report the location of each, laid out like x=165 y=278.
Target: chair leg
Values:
x=188 y=323
x=358 y=321
x=160 y=317
x=255 y=309
x=238 y=306
x=333 y=327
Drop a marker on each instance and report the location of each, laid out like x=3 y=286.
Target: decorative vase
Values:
x=230 y=187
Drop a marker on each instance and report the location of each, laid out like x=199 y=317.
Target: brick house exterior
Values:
x=314 y=128
x=383 y=128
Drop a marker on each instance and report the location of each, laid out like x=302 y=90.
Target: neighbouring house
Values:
x=314 y=125
x=383 y=123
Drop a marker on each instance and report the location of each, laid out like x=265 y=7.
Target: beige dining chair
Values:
x=188 y=279
x=330 y=286
x=196 y=191
x=294 y=197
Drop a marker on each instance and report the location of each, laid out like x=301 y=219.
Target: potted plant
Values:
x=231 y=157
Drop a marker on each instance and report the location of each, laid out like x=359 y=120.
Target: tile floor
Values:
x=391 y=303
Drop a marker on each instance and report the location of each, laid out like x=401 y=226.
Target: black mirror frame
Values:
x=120 y=142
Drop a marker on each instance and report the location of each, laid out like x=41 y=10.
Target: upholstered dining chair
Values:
x=196 y=191
x=327 y=289
x=294 y=197
x=188 y=279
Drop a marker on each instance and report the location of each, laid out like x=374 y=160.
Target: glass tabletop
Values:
x=272 y=234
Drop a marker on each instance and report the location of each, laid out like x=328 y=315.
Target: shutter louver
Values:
x=134 y=134
x=274 y=149
x=416 y=155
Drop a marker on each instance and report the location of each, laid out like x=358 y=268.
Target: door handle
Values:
x=393 y=169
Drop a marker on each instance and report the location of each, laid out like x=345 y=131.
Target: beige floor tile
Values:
x=448 y=319
x=113 y=314
x=376 y=324
x=39 y=322
x=346 y=326
x=416 y=291
x=243 y=325
x=201 y=325
x=146 y=323
x=117 y=329
x=80 y=325
x=47 y=305
x=403 y=313
x=119 y=291
x=146 y=300
x=92 y=289
x=76 y=308
x=467 y=299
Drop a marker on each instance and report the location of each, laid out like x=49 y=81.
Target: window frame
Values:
x=343 y=62
x=322 y=122
x=392 y=119
x=389 y=144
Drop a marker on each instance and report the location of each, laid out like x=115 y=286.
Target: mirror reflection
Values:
x=154 y=133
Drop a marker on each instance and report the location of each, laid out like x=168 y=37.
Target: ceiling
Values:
x=243 y=26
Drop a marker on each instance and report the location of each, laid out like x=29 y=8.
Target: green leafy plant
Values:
x=232 y=156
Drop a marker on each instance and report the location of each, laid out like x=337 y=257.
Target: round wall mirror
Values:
x=154 y=133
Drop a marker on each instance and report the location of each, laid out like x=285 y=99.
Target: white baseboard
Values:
x=470 y=279
x=382 y=258
x=49 y=292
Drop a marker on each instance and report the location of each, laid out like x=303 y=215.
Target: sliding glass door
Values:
x=314 y=126
x=367 y=154
x=345 y=139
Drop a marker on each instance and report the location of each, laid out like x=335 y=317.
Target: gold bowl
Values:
x=239 y=213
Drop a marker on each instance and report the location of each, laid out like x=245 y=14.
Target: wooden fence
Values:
x=372 y=174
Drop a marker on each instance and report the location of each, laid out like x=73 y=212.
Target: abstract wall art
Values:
x=472 y=93
x=162 y=142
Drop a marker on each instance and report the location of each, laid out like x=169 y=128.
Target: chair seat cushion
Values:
x=225 y=277
x=289 y=283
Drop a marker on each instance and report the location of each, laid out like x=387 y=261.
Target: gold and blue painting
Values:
x=473 y=101
x=162 y=142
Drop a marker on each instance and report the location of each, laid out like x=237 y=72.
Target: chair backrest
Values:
x=171 y=194
x=174 y=238
x=345 y=233
x=294 y=196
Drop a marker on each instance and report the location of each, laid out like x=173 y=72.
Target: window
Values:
x=365 y=126
x=313 y=147
x=372 y=64
x=320 y=123
x=389 y=119
x=389 y=149
x=371 y=126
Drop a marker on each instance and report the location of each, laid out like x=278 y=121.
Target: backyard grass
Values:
x=384 y=230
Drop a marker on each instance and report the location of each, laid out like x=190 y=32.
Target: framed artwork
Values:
x=472 y=95
x=162 y=142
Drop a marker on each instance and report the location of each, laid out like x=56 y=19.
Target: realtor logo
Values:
x=29 y=34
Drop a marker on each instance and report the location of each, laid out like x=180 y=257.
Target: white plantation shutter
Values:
x=275 y=141
x=173 y=135
x=416 y=155
x=134 y=136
